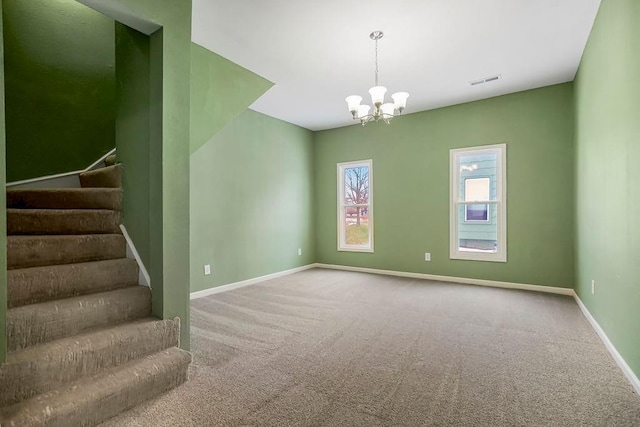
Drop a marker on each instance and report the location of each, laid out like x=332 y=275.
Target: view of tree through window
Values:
x=355 y=209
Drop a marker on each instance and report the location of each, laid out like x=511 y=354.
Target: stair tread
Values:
x=35 y=352
x=50 y=320
x=32 y=211
x=65 y=198
x=96 y=398
x=42 y=367
x=107 y=177
x=32 y=285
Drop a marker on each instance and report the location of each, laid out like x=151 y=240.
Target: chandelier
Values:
x=381 y=110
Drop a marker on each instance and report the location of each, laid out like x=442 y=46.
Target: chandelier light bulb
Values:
x=387 y=110
x=353 y=102
x=377 y=95
x=381 y=110
x=400 y=100
x=363 y=111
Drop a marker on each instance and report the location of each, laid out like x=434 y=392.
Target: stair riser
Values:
x=32 y=372
x=73 y=198
x=40 y=284
x=48 y=222
x=33 y=251
x=38 y=323
x=108 y=396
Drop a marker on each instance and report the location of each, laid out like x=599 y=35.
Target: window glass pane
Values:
x=356 y=185
x=356 y=225
x=478 y=173
x=478 y=236
x=476 y=189
x=477 y=213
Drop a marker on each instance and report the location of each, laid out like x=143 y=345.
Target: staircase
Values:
x=83 y=346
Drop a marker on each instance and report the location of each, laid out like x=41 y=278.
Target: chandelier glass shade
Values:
x=381 y=110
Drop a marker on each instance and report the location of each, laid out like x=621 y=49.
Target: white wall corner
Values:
x=132 y=253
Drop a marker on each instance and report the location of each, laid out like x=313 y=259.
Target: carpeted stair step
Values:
x=91 y=400
x=107 y=177
x=37 y=323
x=62 y=221
x=39 y=284
x=111 y=160
x=65 y=198
x=33 y=251
x=40 y=368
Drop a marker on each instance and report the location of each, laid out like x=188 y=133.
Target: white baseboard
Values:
x=622 y=364
x=236 y=285
x=463 y=280
x=143 y=275
x=61 y=180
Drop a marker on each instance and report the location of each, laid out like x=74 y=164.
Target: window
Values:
x=355 y=206
x=478 y=221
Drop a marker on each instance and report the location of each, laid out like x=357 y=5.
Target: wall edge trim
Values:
x=143 y=275
x=622 y=364
x=461 y=280
x=253 y=281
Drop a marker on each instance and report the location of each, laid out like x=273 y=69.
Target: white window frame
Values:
x=342 y=246
x=500 y=202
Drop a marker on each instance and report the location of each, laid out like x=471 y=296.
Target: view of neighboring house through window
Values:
x=355 y=206
x=478 y=220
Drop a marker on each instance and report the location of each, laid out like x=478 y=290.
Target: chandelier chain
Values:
x=376 y=62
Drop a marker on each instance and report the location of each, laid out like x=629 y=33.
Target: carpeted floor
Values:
x=330 y=348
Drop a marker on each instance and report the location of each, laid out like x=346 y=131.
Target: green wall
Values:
x=3 y=212
x=607 y=136
x=133 y=132
x=169 y=28
x=220 y=91
x=252 y=202
x=60 y=86
x=411 y=186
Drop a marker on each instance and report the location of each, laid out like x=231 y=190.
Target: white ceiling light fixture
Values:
x=381 y=110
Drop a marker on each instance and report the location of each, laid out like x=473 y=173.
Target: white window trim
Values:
x=343 y=247
x=500 y=202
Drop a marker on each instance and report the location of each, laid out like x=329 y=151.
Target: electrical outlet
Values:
x=593 y=287
x=207 y=269
x=299 y=251
x=427 y=256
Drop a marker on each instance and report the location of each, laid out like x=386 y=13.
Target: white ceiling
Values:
x=319 y=52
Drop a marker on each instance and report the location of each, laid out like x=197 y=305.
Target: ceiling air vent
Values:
x=485 y=80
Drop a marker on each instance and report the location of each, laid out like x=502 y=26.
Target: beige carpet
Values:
x=329 y=348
